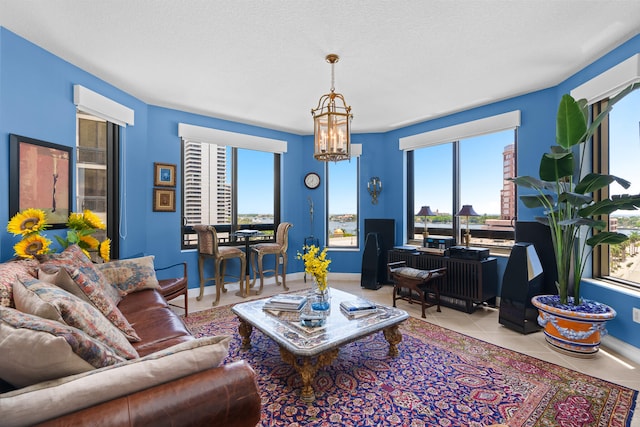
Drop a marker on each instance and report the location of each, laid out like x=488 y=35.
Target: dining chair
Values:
x=208 y=248
x=278 y=249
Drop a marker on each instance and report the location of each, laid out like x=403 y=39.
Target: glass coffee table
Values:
x=308 y=349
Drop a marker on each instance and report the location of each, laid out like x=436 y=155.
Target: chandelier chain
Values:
x=333 y=77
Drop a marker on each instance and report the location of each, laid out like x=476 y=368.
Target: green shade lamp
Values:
x=467 y=211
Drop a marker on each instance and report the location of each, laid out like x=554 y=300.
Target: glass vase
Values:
x=321 y=299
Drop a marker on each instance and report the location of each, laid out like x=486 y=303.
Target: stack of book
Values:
x=358 y=308
x=285 y=303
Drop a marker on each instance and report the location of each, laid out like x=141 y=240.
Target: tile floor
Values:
x=482 y=324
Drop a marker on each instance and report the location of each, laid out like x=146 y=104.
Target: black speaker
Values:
x=540 y=236
x=370 y=259
x=522 y=280
x=386 y=231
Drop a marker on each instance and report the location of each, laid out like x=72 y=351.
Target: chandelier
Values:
x=332 y=123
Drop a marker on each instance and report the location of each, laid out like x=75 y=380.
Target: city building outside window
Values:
x=230 y=188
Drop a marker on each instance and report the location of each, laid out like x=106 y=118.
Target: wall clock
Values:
x=312 y=180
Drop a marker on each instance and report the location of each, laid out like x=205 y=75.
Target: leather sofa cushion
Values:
x=76 y=392
x=156 y=324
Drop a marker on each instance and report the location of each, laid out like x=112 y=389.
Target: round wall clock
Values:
x=312 y=180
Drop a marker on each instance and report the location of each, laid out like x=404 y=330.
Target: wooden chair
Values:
x=279 y=249
x=414 y=285
x=208 y=248
x=175 y=286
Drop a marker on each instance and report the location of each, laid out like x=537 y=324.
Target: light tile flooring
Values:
x=482 y=324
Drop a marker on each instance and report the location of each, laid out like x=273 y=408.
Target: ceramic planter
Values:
x=573 y=332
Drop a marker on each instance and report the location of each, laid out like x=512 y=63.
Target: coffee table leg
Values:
x=307 y=368
x=245 y=332
x=393 y=336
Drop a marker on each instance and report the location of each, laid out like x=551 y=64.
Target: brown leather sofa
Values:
x=226 y=395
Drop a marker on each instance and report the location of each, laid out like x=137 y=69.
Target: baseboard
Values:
x=622 y=348
x=211 y=289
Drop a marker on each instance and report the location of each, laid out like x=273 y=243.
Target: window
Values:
x=481 y=167
x=485 y=164
x=433 y=182
x=97 y=177
x=621 y=146
x=342 y=203
x=229 y=187
x=465 y=164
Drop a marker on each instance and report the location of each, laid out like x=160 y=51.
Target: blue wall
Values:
x=36 y=100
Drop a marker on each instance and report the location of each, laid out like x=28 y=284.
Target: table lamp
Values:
x=425 y=211
x=467 y=211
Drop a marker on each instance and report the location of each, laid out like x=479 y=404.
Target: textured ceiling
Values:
x=262 y=62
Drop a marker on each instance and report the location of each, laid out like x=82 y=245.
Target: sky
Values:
x=624 y=125
x=480 y=174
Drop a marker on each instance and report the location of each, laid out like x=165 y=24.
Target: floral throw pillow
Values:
x=11 y=270
x=48 y=301
x=92 y=283
x=33 y=349
x=131 y=275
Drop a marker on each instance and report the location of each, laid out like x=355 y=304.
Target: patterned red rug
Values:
x=440 y=378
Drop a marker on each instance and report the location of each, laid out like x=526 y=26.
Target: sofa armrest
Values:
x=225 y=396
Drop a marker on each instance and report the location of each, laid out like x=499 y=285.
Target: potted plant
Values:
x=563 y=191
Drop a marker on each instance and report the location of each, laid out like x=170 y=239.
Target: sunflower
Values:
x=76 y=221
x=88 y=242
x=27 y=222
x=105 y=249
x=93 y=220
x=31 y=246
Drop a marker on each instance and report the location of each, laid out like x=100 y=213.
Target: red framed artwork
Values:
x=40 y=177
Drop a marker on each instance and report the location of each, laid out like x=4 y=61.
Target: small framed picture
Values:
x=164 y=175
x=164 y=200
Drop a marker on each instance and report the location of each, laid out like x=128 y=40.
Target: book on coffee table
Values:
x=285 y=302
x=358 y=314
x=356 y=305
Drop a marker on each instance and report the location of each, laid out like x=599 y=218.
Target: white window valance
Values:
x=492 y=124
x=232 y=139
x=100 y=106
x=610 y=82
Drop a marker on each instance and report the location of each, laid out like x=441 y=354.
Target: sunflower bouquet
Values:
x=30 y=223
x=316 y=264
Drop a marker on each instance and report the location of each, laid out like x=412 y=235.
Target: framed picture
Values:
x=40 y=177
x=164 y=200
x=165 y=175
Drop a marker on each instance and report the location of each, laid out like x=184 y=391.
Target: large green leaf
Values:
x=607 y=237
x=578 y=222
x=574 y=199
x=555 y=166
x=571 y=124
x=624 y=202
x=595 y=181
x=538 y=201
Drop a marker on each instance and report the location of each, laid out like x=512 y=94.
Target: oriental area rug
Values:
x=440 y=378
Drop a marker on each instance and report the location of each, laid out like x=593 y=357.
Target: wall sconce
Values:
x=425 y=211
x=467 y=210
x=374 y=186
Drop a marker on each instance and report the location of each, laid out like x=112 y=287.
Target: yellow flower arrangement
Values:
x=81 y=227
x=31 y=222
x=316 y=264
